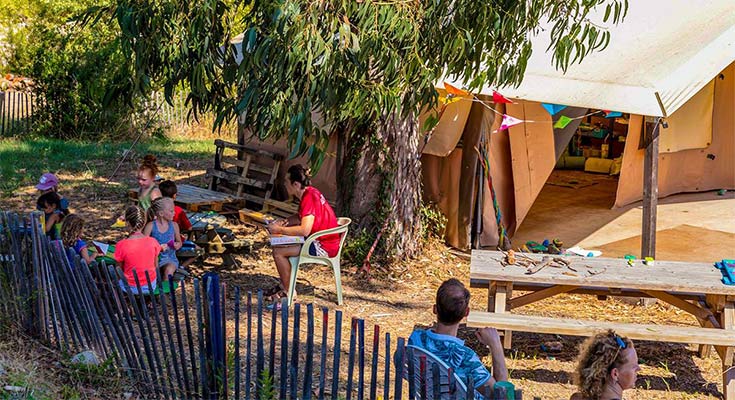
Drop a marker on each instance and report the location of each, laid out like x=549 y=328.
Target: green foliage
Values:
x=79 y=70
x=267 y=389
x=350 y=61
x=357 y=246
x=102 y=376
x=433 y=221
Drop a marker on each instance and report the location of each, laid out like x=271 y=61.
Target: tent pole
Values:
x=650 y=193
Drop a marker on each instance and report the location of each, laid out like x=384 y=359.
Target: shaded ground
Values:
x=402 y=298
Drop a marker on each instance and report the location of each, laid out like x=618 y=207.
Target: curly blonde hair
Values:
x=597 y=357
x=71 y=228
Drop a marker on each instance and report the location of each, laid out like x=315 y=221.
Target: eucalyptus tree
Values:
x=361 y=69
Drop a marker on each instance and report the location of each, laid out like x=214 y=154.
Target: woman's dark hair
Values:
x=297 y=173
x=50 y=198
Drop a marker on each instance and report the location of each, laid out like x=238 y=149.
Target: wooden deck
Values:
x=192 y=198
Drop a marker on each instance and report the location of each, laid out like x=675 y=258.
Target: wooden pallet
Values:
x=194 y=198
x=248 y=172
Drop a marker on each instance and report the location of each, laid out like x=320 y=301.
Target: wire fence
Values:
x=204 y=339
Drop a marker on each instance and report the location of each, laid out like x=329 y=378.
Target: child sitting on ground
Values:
x=137 y=254
x=166 y=232
x=50 y=183
x=50 y=204
x=147 y=189
x=168 y=189
x=71 y=234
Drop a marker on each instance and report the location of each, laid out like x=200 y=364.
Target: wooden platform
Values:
x=192 y=198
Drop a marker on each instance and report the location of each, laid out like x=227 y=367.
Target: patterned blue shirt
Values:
x=463 y=360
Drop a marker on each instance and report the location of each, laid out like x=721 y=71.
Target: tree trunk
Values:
x=380 y=183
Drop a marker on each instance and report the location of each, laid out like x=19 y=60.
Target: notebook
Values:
x=281 y=240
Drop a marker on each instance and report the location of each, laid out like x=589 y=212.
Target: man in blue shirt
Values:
x=452 y=305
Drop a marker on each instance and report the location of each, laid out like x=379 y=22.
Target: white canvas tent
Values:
x=668 y=58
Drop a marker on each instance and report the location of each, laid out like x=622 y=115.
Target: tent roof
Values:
x=661 y=55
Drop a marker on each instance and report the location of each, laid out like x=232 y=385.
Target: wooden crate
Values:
x=247 y=172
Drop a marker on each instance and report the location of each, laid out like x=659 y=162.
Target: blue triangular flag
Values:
x=553 y=108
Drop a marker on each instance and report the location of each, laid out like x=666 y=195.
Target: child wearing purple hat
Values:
x=50 y=183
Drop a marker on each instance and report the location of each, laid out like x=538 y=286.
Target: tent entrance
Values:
x=580 y=192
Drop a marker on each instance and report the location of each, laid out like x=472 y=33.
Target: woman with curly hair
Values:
x=607 y=365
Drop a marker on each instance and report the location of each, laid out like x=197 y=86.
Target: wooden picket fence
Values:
x=16 y=112
x=19 y=111
x=202 y=339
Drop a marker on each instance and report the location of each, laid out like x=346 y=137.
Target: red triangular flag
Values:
x=499 y=98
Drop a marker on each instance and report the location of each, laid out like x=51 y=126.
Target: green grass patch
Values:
x=22 y=161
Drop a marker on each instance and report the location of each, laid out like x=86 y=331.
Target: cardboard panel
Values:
x=533 y=154
x=449 y=130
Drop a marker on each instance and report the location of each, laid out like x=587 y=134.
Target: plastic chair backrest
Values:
x=450 y=384
x=343 y=224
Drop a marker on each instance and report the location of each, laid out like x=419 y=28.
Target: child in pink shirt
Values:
x=137 y=254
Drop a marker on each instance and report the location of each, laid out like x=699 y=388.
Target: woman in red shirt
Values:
x=315 y=215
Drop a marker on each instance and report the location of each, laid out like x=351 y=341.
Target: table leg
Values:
x=499 y=294
x=727 y=320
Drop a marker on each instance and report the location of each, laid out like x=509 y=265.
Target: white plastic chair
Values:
x=334 y=262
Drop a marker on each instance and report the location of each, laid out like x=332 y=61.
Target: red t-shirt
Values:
x=140 y=254
x=181 y=219
x=314 y=203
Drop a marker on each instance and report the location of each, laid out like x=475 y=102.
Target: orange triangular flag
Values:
x=455 y=91
x=499 y=98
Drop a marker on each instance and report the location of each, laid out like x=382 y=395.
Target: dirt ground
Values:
x=402 y=298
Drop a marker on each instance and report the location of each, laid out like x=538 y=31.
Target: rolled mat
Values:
x=599 y=165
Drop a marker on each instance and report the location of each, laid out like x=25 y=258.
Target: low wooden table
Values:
x=192 y=197
x=693 y=287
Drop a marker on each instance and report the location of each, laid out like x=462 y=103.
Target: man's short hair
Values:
x=168 y=189
x=452 y=300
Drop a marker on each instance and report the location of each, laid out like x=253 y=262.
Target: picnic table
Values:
x=692 y=287
x=192 y=198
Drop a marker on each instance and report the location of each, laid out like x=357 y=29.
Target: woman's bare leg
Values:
x=280 y=256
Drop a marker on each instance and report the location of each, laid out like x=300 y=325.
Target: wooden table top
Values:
x=670 y=276
x=195 y=195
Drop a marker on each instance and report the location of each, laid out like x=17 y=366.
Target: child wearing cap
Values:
x=50 y=183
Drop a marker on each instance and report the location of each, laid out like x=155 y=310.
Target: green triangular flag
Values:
x=562 y=122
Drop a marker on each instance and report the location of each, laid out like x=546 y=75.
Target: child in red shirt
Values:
x=137 y=254
x=168 y=189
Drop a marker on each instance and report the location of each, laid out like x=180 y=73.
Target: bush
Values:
x=79 y=71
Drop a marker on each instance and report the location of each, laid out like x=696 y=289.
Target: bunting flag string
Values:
x=455 y=94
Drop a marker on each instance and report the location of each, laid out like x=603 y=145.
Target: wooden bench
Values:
x=692 y=287
x=574 y=327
